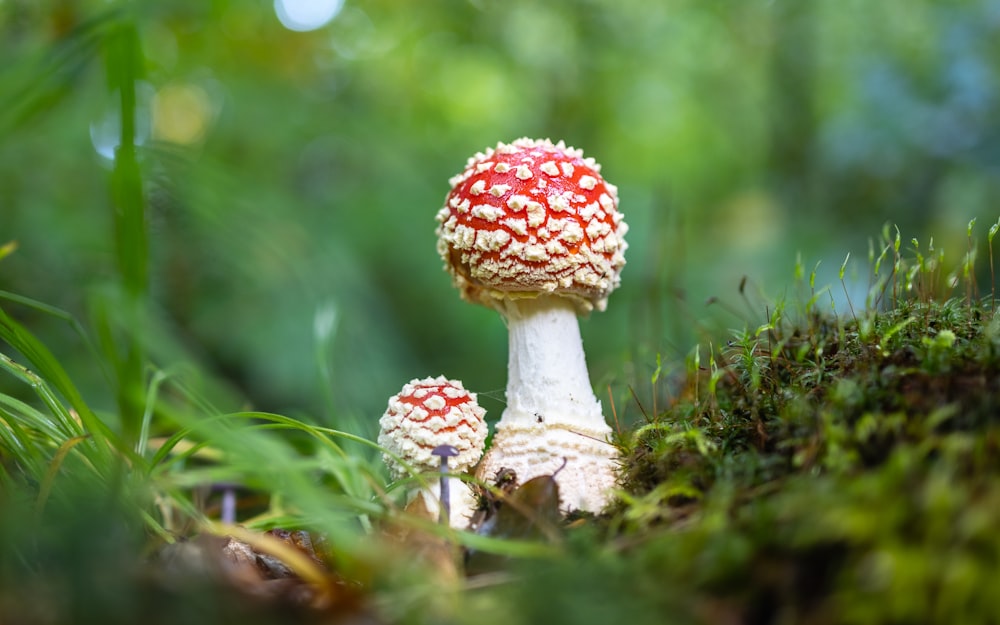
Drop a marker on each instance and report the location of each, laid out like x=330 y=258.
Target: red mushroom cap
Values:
x=429 y=413
x=532 y=217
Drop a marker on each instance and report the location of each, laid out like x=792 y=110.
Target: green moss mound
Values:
x=837 y=472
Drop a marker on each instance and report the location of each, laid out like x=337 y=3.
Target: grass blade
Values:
x=50 y=476
x=51 y=375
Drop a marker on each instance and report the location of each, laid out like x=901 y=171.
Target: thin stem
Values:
x=129 y=215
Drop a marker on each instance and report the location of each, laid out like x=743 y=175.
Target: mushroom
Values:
x=426 y=415
x=531 y=229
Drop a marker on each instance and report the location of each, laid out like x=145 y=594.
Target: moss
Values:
x=830 y=471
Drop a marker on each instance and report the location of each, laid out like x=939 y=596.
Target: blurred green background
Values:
x=294 y=153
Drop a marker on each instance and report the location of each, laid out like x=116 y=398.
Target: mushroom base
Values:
x=531 y=450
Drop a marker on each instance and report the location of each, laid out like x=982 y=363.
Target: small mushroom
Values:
x=444 y=452
x=434 y=423
x=531 y=229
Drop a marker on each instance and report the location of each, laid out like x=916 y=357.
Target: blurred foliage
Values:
x=290 y=179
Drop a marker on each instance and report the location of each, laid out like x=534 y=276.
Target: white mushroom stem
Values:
x=552 y=414
x=547 y=375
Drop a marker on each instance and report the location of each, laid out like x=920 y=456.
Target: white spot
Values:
x=484 y=270
x=499 y=189
x=517 y=202
x=587 y=212
x=587 y=182
x=562 y=263
x=477 y=187
x=536 y=214
x=606 y=202
x=458 y=179
x=597 y=229
x=572 y=233
x=516 y=248
x=549 y=167
x=463 y=206
x=535 y=252
x=418 y=413
x=501 y=168
x=523 y=172
x=492 y=240
x=484 y=166
x=487 y=212
x=517 y=226
x=557 y=225
x=435 y=402
x=454 y=392
x=555 y=248
x=559 y=202
x=464 y=238
x=567 y=169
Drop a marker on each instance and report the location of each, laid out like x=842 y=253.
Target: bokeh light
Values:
x=306 y=15
x=105 y=134
x=181 y=113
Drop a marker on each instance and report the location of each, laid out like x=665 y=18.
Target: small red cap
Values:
x=429 y=413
